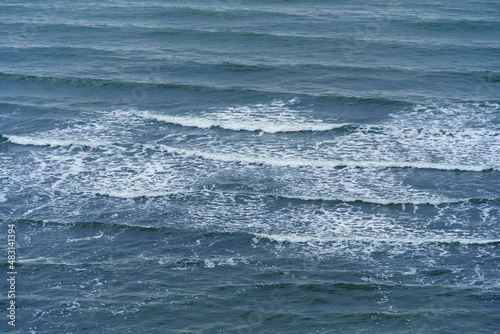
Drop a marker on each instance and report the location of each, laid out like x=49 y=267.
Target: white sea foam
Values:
x=387 y=156
x=137 y=193
x=270 y=118
x=347 y=229
x=298 y=162
x=380 y=200
x=248 y=158
x=267 y=126
x=446 y=137
x=27 y=140
x=268 y=160
x=292 y=238
x=98 y=236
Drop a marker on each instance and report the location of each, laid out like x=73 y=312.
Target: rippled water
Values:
x=263 y=167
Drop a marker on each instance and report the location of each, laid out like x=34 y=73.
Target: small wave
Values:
x=258 y=160
x=54 y=142
x=305 y=239
x=98 y=236
x=94 y=82
x=385 y=201
x=92 y=225
x=391 y=201
x=287 y=162
x=249 y=124
x=447 y=24
x=128 y=194
x=134 y=194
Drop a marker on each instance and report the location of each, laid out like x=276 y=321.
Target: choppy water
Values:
x=252 y=167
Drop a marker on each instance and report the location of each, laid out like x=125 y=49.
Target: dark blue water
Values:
x=251 y=167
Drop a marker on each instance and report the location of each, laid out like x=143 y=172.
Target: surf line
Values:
x=301 y=162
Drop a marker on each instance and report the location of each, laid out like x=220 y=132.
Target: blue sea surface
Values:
x=251 y=166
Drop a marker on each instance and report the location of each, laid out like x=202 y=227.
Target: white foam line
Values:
x=87 y=238
x=408 y=240
x=136 y=194
x=376 y=200
x=238 y=125
x=275 y=161
x=53 y=142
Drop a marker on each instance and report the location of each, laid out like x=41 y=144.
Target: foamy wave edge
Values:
x=384 y=201
x=304 y=239
x=54 y=142
x=273 y=161
x=277 y=161
x=257 y=126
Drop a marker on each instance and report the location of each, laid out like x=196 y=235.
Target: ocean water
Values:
x=251 y=166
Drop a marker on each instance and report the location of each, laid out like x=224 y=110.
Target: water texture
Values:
x=251 y=167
